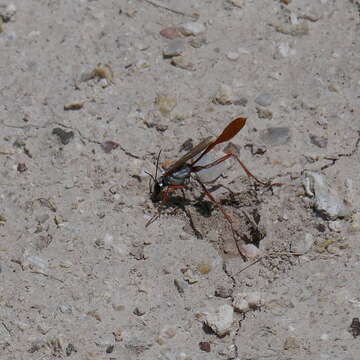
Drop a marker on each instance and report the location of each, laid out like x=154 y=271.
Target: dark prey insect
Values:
x=178 y=175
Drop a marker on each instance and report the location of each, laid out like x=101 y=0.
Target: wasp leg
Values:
x=227 y=217
x=170 y=189
x=247 y=171
x=165 y=198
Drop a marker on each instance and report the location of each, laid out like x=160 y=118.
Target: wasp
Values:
x=191 y=165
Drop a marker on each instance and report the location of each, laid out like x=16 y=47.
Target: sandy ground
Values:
x=87 y=100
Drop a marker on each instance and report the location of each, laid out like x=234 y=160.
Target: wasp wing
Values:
x=228 y=133
x=192 y=153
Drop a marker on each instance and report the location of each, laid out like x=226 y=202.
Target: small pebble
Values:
x=223 y=292
x=183 y=63
x=65 y=309
x=355 y=222
x=183 y=356
x=264 y=99
x=243 y=302
x=7 y=12
x=64 y=136
x=257 y=149
x=104 y=83
x=73 y=106
x=21 y=167
x=198 y=42
x=190 y=276
x=299 y=29
x=109 y=146
x=192 y=28
x=109 y=349
x=160 y=340
x=220 y=319
x=171 y=33
x=326 y=200
x=224 y=95
x=291 y=343
x=302 y=245
x=167 y=332
x=319 y=141
x=161 y=127
x=130 y=12
x=233 y=55
x=336 y=225
x=241 y=101
x=70 y=348
x=180 y=285
x=264 y=113
x=165 y=104
x=250 y=251
x=118 y=334
x=105 y=341
x=355 y=327
x=275 y=136
x=139 y=311
x=254 y=299
x=205 y=346
x=324 y=337
x=174 y=48
x=284 y=50
x=204 y=268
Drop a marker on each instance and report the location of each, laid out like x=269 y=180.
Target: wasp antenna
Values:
x=152 y=176
x=157 y=165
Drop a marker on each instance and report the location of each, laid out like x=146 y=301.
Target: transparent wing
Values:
x=192 y=153
x=228 y=133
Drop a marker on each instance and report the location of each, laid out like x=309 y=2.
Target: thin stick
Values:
x=178 y=12
x=280 y=253
x=6 y=328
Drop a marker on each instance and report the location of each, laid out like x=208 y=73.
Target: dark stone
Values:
x=204 y=346
x=64 y=136
x=319 y=141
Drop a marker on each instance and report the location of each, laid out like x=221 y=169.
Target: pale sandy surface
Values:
x=77 y=263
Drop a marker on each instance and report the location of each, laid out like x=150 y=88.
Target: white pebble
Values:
x=233 y=55
x=264 y=99
x=324 y=337
x=108 y=241
x=193 y=28
x=104 y=83
x=336 y=225
x=243 y=302
x=224 y=95
x=285 y=50
x=241 y=305
x=220 y=320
